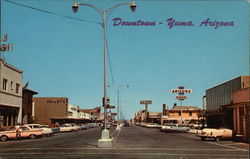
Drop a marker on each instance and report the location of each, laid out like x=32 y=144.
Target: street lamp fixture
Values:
x=75 y=7
x=133 y=6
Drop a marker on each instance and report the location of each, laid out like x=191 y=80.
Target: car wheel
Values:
x=203 y=138
x=4 y=138
x=32 y=136
x=72 y=130
x=217 y=138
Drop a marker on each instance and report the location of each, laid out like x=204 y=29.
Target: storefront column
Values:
x=235 y=119
x=19 y=118
x=238 y=119
x=244 y=124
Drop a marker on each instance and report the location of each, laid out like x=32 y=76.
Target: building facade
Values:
x=223 y=94
x=240 y=114
x=181 y=114
x=73 y=111
x=49 y=107
x=228 y=106
x=10 y=94
x=27 y=106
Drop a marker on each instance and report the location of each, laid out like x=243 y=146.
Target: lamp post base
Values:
x=105 y=141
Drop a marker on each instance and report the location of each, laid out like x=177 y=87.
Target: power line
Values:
x=52 y=13
x=111 y=70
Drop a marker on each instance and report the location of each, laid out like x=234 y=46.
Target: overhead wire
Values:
x=72 y=18
x=52 y=13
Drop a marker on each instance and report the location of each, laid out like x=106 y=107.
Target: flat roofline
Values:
x=50 y=97
x=227 y=82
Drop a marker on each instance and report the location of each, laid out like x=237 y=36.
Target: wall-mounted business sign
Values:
x=145 y=102
x=6 y=47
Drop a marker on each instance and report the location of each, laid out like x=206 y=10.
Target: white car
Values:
x=152 y=125
x=165 y=127
x=216 y=134
x=20 y=132
x=175 y=128
x=46 y=131
x=69 y=128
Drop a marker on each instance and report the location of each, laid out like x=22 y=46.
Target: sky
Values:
x=62 y=56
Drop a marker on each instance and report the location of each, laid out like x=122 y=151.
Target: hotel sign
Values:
x=181 y=90
x=181 y=97
x=5 y=47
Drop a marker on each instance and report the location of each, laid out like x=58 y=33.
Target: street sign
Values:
x=110 y=107
x=145 y=102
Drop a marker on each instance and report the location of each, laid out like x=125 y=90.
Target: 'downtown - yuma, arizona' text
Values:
x=172 y=23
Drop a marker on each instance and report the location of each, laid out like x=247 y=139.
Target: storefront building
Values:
x=46 y=108
x=10 y=94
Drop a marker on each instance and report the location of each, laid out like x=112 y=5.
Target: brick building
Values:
x=27 y=106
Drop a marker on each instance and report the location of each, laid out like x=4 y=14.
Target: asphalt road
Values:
x=131 y=142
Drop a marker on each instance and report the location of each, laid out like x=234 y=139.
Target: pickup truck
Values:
x=216 y=134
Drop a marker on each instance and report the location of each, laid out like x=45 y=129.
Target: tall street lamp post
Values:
x=105 y=140
x=118 y=100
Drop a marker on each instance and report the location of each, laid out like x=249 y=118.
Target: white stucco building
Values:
x=10 y=94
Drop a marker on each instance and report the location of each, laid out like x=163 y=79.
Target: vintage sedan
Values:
x=68 y=128
x=21 y=132
x=175 y=128
x=153 y=125
x=216 y=134
x=46 y=130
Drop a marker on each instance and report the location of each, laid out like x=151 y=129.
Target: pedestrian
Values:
x=18 y=132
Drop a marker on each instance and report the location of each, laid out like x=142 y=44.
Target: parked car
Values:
x=68 y=128
x=76 y=126
x=55 y=129
x=216 y=134
x=175 y=128
x=24 y=132
x=83 y=127
x=46 y=130
x=153 y=125
x=92 y=125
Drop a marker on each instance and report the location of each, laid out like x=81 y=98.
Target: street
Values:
x=130 y=142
